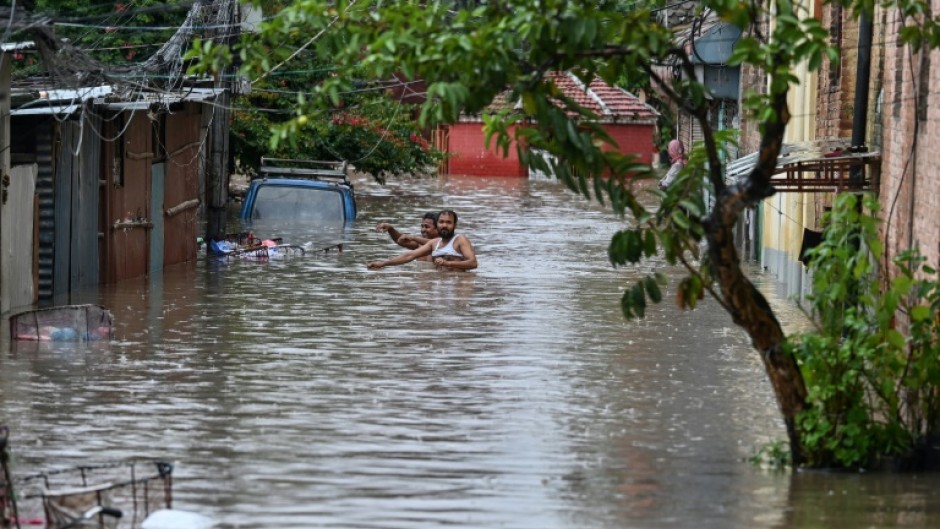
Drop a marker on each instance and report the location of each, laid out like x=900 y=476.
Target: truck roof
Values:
x=335 y=171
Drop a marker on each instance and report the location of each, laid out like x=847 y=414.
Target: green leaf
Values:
x=896 y=339
x=652 y=289
x=638 y=296
x=634 y=247
x=920 y=313
x=691 y=207
x=680 y=219
x=626 y=305
x=649 y=245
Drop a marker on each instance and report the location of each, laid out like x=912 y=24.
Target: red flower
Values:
x=120 y=7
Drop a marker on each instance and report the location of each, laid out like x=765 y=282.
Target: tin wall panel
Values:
x=157 y=178
x=84 y=237
x=130 y=201
x=64 y=168
x=17 y=226
x=45 y=193
x=181 y=199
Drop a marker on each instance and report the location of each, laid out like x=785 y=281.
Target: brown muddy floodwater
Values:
x=312 y=392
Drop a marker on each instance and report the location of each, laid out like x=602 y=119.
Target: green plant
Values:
x=774 y=455
x=871 y=367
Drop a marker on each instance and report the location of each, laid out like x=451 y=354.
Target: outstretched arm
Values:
x=406 y=257
x=388 y=228
x=412 y=241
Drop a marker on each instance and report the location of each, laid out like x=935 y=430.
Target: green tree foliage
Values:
x=470 y=53
x=363 y=124
x=375 y=132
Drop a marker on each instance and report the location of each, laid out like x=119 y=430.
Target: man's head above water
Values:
x=429 y=226
x=446 y=223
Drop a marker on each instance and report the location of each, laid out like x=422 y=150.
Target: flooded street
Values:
x=312 y=392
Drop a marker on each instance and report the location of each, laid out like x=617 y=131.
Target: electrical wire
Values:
x=305 y=46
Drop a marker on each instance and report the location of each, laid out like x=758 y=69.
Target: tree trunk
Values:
x=747 y=306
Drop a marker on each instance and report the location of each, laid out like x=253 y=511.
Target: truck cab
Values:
x=291 y=191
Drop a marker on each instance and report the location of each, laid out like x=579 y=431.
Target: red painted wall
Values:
x=468 y=157
x=634 y=139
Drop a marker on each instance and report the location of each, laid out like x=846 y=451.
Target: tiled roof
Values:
x=608 y=102
x=611 y=104
x=677 y=14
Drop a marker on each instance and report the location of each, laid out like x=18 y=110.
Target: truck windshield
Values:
x=305 y=204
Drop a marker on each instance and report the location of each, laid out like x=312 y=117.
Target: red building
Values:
x=627 y=119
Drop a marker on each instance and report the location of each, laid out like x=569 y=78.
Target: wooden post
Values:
x=218 y=170
x=4 y=173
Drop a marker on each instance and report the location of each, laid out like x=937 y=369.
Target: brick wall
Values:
x=835 y=93
x=836 y=90
x=910 y=175
x=753 y=80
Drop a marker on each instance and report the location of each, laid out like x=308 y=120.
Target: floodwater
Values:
x=312 y=392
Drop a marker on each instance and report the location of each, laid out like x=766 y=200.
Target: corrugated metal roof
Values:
x=16 y=46
x=146 y=100
x=76 y=94
x=789 y=153
x=45 y=109
x=817 y=166
x=60 y=101
x=69 y=101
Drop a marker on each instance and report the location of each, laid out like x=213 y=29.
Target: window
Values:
x=302 y=204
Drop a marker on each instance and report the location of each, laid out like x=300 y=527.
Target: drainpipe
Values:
x=863 y=70
x=860 y=118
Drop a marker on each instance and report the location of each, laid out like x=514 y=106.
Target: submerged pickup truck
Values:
x=300 y=191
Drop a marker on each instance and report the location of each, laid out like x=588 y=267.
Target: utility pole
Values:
x=218 y=169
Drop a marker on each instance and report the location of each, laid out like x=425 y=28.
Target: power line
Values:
x=136 y=28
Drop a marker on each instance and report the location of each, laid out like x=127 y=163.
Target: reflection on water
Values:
x=312 y=392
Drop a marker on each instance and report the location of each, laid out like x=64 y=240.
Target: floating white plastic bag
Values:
x=175 y=519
